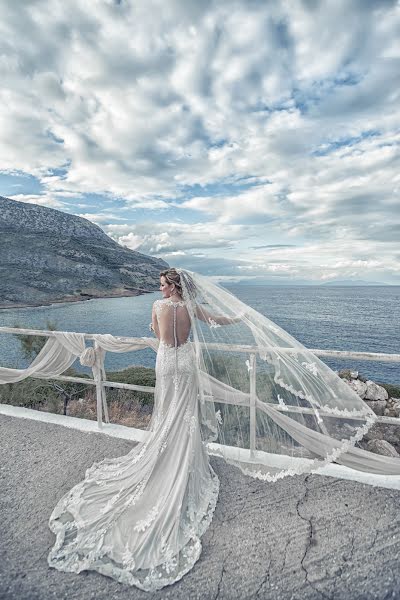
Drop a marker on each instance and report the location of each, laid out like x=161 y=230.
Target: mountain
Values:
x=352 y=282
x=281 y=281
x=50 y=256
x=277 y=282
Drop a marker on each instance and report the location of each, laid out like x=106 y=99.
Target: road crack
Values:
x=265 y=579
x=311 y=540
x=220 y=581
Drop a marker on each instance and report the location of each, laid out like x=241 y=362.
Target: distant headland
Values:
x=48 y=256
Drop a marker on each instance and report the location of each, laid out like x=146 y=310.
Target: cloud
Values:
x=41 y=199
x=219 y=267
x=281 y=119
x=258 y=201
x=273 y=246
x=167 y=238
x=101 y=218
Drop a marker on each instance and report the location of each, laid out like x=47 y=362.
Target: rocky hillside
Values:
x=49 y=256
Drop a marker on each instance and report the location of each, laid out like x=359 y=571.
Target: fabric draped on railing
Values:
x=53 y=359
x=62 y=349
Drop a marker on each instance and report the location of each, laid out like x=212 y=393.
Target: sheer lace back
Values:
x=173 y=322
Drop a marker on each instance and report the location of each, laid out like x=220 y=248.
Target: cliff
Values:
x=50 y=256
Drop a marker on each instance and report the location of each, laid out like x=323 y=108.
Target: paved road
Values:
x=301 y=538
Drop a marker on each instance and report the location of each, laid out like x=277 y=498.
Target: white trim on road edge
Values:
x=139 y=435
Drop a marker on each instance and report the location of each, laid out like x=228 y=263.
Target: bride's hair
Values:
x=172 y=276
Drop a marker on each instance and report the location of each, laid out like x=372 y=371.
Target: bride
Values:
x=139 y=518
x=229 y=382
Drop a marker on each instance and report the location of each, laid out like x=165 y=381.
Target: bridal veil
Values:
x=268 y=405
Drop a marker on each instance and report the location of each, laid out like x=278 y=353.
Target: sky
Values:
x=248 y=140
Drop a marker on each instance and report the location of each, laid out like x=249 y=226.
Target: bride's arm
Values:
x=154 y=322
x=203 y=314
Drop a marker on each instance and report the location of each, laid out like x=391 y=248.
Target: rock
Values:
x=392 y=411
x=384 y=431
x=347 y=374
x=378 y=406
x=358 y=386
x=375 y=391
x=382 y=447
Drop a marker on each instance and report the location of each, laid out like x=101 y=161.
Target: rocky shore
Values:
x=82 y=297
x=382 y=438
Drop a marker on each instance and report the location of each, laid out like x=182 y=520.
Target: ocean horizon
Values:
x=358 y=318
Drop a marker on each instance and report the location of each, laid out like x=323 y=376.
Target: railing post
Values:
x=99 y=383
x=253 y=395
x=98 y=402
x=103 y=388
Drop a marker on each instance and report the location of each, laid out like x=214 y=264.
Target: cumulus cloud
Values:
x=104 y=217
x=228 y=128
x=41 y=199
x=166 y=238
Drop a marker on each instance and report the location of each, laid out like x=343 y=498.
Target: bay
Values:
x=365 y=319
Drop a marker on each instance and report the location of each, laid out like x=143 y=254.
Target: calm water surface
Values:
x=337 y=318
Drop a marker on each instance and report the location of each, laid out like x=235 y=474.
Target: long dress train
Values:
x=139 y=518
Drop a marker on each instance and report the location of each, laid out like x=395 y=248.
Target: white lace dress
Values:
x=139 y=518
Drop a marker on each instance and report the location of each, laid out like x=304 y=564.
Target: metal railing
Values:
x=252 y=351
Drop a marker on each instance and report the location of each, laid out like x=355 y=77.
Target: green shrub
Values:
x=392 y=390
x=135 y=376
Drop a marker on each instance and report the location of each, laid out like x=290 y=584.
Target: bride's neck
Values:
x=175 y=298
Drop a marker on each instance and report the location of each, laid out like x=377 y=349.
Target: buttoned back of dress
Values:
x=173 y=322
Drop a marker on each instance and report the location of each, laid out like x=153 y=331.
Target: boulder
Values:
x=382 y=447
x=392 y=411
x=384 y=431
x=395 y=406
x=347 y=374
x=358 y=386
x=378 y=406
x=375 y=391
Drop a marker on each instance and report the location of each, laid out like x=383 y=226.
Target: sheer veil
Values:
x=267 y=404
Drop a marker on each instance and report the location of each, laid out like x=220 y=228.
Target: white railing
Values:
x=252 y=351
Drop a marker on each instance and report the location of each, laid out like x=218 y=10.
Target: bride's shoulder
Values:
x=162 y=302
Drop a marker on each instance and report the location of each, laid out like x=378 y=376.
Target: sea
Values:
x=359 y=318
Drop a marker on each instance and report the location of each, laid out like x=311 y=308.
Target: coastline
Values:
x=82 y=298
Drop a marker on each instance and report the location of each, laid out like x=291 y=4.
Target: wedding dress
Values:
x=231 y=383
x=139 y=518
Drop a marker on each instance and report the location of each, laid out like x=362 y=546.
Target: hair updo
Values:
x=172 y=276
x=188 y=291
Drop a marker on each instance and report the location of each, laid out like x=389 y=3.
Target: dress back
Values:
x=173 y=322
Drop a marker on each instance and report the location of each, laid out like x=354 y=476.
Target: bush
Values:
x=31 y=345
x=392 y=390
x=135 y=376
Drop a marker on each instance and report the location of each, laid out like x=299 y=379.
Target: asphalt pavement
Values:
x=300 y=538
